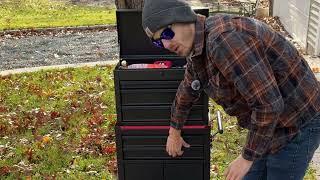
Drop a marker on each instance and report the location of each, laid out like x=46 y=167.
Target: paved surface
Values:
x=316 y=163
x=56 y=48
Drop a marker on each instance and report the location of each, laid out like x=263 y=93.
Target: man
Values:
x=255 y=74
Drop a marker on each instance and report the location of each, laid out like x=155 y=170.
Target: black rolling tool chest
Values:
x=143 y=101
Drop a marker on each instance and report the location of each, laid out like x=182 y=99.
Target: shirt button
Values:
x=195 y=85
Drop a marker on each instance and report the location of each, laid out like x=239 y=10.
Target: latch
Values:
x=220 y=128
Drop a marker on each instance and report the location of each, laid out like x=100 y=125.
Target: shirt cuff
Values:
x=250 y=155
x=176 y=125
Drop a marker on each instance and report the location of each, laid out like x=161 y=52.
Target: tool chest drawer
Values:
x=147 y=96
x=159 y=115
x=157 y=140
x=150 y=97
x=164 y=170
x=149 y=84
x=173 y=74
x=149 y=142
x=159 y=152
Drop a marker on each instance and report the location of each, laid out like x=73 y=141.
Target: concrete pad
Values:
x=315 y=163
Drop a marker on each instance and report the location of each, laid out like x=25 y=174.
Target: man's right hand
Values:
x=175 y=143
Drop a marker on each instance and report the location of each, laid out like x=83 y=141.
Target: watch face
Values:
x=195 y=85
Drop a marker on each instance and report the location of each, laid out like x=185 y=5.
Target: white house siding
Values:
x=294 y=15
x=313 y=39
x=301 y=21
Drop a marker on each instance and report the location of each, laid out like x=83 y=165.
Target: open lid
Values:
x=134 y=43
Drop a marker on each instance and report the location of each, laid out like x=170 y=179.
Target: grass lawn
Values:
x=20 y=14
x=60 y=124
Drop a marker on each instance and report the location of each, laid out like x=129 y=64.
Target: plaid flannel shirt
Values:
x=255 y=74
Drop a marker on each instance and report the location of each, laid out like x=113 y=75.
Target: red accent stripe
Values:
x=158 y=127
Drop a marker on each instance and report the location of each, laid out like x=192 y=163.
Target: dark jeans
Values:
x=292 y=161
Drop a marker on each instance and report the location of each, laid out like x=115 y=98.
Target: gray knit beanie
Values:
x=157 y=14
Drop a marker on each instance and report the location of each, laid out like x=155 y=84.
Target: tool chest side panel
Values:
x=120 y=164
x=117 y=94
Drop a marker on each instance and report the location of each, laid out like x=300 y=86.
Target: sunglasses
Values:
x=167 y=34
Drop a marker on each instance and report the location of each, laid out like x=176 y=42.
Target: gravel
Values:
x=55 y=48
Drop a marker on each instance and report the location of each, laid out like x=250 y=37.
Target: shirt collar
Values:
x=198 y=42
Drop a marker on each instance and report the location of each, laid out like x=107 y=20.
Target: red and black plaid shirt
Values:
x=255 y=74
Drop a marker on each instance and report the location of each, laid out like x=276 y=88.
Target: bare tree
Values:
x=270 y=7
x=129 y=4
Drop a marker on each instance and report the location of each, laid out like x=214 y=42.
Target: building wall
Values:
x=294 y=15
x=313 y=39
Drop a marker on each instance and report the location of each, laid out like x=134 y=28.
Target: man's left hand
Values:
x=238 y=169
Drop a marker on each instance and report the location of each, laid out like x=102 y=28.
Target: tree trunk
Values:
x=137 y=4
x=129 y=4
x=270 y=7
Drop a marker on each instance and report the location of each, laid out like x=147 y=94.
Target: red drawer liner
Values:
x=124 y=128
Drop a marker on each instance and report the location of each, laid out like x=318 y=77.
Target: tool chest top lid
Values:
x=134 y=43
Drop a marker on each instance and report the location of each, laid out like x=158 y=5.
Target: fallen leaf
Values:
x=110 y=149
x=4 y=170
x=112 y=166
x=3 y=109
x=54 y=115
x=46 y=139
x=29 y=154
